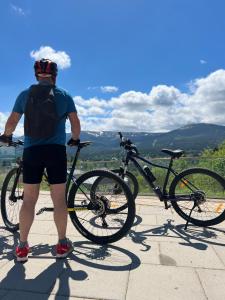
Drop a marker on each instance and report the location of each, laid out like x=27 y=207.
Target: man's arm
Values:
x=75 y=125
x=11 y=123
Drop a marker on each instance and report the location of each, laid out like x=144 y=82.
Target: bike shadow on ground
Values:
x=57 y=274
x=104 y=257
x=195 y=237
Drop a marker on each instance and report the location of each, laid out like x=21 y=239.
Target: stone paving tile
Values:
x=147 y=200
x=153 y=233
x=71 y=230
x=190 y=255
x=173 y=231
x=83 y=281
x=42 y=227
x=7 y=246
x=157 y=210
x=213 y=283
x=157 y=246
x=12 y=295
x=210 y=235
x=35 y=276
x=3 y=293
x=47 y=216
x=146 y=252
x=145 y=220
x=220 y=251
x=164 y=219
x=164 y=282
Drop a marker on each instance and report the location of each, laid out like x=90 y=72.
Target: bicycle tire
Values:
x=210 y=180
x=10 y=225
x=79 y=222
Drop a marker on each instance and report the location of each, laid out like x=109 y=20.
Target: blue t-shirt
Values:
x=64 y=105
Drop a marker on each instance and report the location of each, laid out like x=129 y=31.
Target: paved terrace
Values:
x=157 y=260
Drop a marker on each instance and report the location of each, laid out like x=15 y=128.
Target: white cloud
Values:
x=93 y=87
x=164 y=108
x=109 y=89
x=208 y=101
x=203 y=62
x=90 y=102
x=18 y=10
x=105 y=89
x=131 y=100
x=60 y=57
x=3 y=118
x=163 y=95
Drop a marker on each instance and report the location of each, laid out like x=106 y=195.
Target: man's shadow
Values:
x=57 y=275
x=45 y=282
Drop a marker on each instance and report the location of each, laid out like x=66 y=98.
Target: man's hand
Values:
x=5 y=139
x=73 y=142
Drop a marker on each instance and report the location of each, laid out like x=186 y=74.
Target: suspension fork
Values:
x=124 y=166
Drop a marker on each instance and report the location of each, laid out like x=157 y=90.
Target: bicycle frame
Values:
x=161 y=194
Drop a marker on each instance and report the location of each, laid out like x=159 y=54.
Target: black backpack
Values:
x=41 y=117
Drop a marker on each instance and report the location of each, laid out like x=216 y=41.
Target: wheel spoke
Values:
x=206 y=189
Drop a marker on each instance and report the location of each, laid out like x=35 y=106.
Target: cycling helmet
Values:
x=45 y=67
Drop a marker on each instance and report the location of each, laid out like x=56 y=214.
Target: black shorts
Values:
x=50 y=157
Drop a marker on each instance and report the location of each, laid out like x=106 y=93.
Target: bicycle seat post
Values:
x=166 y=182
x=72 y=169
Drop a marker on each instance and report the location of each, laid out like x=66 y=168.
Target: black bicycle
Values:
x=196 y=194
x=93 y=212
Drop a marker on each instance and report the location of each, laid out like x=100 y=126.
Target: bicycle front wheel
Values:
x=93 y=212
x=201 y=190
x=11 y=199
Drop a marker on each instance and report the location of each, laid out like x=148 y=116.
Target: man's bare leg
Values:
x=60 y=208
x=26 y=217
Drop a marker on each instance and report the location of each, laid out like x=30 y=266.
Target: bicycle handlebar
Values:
x=127 y=144
x=13 y=144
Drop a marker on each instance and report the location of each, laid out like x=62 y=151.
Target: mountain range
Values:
x=193 y=139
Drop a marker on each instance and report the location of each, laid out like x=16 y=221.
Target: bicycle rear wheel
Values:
x=11 y=200
x=93 y=213
x=129 y=179
x=204 y=188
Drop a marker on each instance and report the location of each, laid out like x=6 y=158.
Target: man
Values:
x=45 y=108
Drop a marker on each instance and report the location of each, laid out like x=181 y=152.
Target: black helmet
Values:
x=45 y=67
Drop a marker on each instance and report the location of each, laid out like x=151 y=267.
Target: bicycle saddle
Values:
x=173 y=153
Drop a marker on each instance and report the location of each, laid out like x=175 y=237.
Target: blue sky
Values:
x=129 y=64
